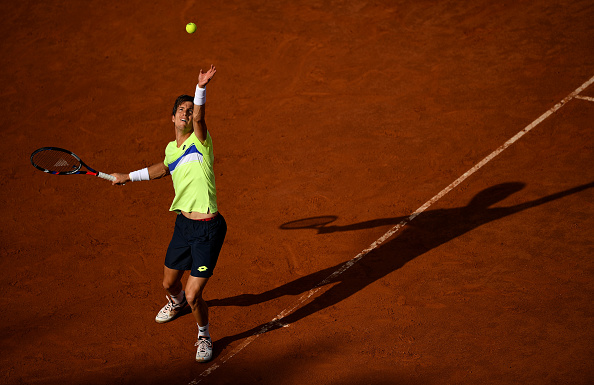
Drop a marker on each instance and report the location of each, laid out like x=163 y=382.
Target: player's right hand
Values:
x=120 y=179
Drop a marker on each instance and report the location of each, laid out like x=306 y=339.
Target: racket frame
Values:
x=72 y=172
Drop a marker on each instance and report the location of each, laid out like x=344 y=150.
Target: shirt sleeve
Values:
x=165 y=160
x=207 y=144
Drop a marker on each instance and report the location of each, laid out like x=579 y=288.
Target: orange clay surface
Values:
x=358 y=111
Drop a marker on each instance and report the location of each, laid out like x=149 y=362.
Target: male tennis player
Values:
x=199 y=227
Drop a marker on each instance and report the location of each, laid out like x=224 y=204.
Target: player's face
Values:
x=183 y=115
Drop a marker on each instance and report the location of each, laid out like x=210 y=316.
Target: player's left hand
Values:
x=204 y=78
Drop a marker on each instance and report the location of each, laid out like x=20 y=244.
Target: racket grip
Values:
x=106 y=176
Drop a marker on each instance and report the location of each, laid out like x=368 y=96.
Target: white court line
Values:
x=588 y=98
x=276 y=321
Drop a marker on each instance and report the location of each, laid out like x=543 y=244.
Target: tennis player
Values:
x=199 y=227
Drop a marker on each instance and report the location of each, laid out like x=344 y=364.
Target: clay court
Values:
x=333 y=123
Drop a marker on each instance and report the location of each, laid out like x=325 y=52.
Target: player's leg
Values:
x=176 y=298
x=172 y=281
x=208 y=241
x=177 y=260
x=194 y=289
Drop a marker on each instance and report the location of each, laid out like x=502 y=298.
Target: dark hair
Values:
x=181 y=99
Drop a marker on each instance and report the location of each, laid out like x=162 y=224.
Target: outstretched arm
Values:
x=156 y=171
x=199 y=101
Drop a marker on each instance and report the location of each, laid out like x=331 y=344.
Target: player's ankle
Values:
x=203 y=331
x=179 y=298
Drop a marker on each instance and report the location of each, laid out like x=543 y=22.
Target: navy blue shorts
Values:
x=196 y=245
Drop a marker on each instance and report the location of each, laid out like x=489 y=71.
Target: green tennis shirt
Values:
x=191 y=168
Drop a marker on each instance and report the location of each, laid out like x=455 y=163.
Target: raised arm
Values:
x=199 y=102
x=156 y=171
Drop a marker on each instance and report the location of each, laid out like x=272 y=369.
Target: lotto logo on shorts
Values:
x=202 y=268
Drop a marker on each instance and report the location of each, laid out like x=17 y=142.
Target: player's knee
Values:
x=194 y=298
x=170 y=285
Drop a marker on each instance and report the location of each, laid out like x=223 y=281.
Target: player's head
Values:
x=181 y=99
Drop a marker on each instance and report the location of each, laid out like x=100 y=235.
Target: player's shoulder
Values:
x=171 y=146
x=207 y=142
x=170 y=152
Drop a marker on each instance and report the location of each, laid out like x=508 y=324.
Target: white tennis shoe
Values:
x=170 y=311
x=204 y=351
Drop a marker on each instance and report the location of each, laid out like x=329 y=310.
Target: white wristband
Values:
x=137 y=176
x=200 y=96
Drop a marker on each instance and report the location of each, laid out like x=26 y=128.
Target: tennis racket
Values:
x=58 y=161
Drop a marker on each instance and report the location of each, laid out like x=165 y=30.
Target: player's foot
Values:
x=204 y=352
x=170 y=311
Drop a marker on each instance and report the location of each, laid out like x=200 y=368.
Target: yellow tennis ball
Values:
x=190 y=28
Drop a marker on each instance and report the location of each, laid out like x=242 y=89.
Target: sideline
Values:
x=276 y=321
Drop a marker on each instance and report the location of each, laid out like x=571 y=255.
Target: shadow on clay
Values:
x=426 y=232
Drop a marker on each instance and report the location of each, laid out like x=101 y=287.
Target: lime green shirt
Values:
x=191 y=168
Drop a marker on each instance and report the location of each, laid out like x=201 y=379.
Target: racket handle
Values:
x=106 y=176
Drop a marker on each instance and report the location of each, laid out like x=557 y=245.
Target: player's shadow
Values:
x=427 y=231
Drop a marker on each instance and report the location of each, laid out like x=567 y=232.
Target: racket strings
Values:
x=56 y=161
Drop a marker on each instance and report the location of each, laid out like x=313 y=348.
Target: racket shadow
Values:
x=426 y=232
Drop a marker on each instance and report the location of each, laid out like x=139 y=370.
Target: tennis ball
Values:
x=190 y=28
